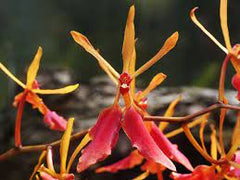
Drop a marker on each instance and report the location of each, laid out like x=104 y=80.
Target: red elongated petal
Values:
x=236 y=84
x=141 y=139
x=46 y=176
x=152 y=167
x=104 y=136
x=235 y=172
x=54 y=121
x=128 y=162
x=169 y=149
x=201 y=172
x=68 y=176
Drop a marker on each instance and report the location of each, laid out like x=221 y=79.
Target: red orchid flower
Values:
x=49 y=173
x=233 y=53
x=151 y=167
x=104 y=134
x=31 y=89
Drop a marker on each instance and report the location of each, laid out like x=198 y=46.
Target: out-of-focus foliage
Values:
x=24 y=25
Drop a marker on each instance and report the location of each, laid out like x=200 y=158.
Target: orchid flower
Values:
x=150 y=167
x=104 y=134
x=31 y=89
x=49 y=173
x=233 y=53
x=225 y=168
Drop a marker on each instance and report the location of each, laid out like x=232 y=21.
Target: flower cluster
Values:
x=152 y=149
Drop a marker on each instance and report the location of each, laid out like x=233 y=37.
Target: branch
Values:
x=26 y=149
x=191 y=116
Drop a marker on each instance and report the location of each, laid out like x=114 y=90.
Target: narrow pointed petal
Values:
x=45 y=176
x=40 y=160
x=141 y=139
x=213 y=144
x=167 y=46
x=104 y=136
x=205 y=31
x=142 y=176
x=33 y=68
x=85 y=43
x=169 y=112
x=169 y=149
x=152 y=167
x=64 y=146
x=224 y=23
x=201 y=172
x=156 y=81
x=83 y=143
x=128 y=162
x=129 y=40
x=36 y=102
x=54 y=121
x=64 y=90
x=9 y=74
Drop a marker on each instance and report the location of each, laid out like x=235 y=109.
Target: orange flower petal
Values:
x=64 y=146
x=224 y=23
x=63 y=90
x=195 y=20
x=167 y=46
x=156 y=81
x=33 y=68
x=169 y=112
x=129 y=40
x=9 y=74
x=85 y=43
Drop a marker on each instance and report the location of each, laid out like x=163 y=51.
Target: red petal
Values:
x=68 y=176
x=141 y=139
x=46 y=176
x=128 y=162
x=169 y=149
x=236 y=84
x=54 y=121
x=233 y=171
x=152 y=167
x=104 y=136
x=201 y=172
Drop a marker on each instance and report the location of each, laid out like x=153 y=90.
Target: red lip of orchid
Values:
x=104 y=135
x=134 y=127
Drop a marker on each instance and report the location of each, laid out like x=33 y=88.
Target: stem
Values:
x=35 y=148
x=191 y=116
x=18 y=142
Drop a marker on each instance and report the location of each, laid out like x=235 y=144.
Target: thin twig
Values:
x=191 y=116
x=26 y=149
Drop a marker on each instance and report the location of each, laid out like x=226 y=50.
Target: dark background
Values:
x=25 y=25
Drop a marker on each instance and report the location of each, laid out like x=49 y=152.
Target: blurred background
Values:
x=195 y=61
